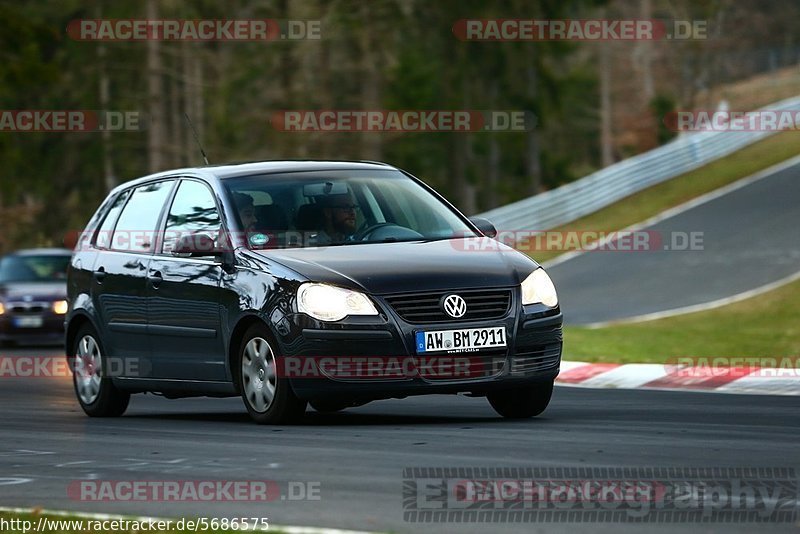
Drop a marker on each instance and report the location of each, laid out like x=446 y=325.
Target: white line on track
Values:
x=698 y=307
x=677 y=210
x=13 y=481
x=672 y=212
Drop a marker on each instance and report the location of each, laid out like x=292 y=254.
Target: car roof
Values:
x=41 y=252
x=232 y=170
x=242 y=169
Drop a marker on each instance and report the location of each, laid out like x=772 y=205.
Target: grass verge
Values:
x=767 y=325
x=653 y=200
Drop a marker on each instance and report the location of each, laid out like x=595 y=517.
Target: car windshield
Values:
x=308 y=209
x=33 y=268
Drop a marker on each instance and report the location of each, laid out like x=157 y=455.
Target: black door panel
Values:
x=183 y=292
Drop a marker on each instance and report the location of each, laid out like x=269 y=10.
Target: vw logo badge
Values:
x=454 y=306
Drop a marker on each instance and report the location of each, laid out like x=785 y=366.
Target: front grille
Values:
x=426 y=307
x=535 y=359
x=24 y=308
x=461 y=366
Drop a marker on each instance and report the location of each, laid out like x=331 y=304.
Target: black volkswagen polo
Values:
x=295 y=282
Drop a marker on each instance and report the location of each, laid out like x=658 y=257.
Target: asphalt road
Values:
x=357 y=457
x=750 y=238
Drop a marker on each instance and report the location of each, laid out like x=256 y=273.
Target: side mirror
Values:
x=485 y=226
x=195 y=245
x=191 y=245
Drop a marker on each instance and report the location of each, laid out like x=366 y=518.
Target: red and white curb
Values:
x=758 y=381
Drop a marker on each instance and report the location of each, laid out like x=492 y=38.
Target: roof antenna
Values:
x=196 y=138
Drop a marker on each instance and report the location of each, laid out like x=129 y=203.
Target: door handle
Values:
x=99 y=274
x=155 y=279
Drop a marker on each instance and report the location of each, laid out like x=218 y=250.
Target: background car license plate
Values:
x=464 y=338
x=28 y=322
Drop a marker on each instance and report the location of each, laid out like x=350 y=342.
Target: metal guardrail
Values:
x=606 y=186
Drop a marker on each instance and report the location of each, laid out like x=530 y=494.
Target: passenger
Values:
x=246 y=209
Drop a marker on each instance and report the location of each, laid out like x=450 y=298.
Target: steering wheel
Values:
x=364 y=232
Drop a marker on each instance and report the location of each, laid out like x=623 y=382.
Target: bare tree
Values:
x=109 y=179
x=155 y=133
x=606 y=135
x=493 y=171
x=370 y=88
x=533 y=155
x=176 y=150
x=644 y=51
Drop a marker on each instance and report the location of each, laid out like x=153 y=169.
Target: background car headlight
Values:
x=330 y=303
x=60 y=307
x=539 y=288
x=2 y=309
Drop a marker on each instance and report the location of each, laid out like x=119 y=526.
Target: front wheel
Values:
x=268 y=397
x=96 y=392
x=522 y=403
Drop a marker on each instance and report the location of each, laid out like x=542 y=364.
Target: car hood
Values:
x=34 y=290
x=384 y=268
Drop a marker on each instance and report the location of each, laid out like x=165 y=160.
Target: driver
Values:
x=338 y=219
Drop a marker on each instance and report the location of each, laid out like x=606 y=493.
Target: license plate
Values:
x=463 y=339
x=28 y=322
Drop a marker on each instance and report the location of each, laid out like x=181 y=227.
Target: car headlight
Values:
x=330 y=303
x=2 y=309
x=539 y=288
x=60 y=307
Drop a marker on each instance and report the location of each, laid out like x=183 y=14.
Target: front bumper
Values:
x=384 y=347
x=50 y=331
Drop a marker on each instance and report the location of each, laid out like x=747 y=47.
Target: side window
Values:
x=136 y=228
x=192 y=212
x=103 y=239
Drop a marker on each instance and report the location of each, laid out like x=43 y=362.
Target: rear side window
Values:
x=103 y=239
x=193 y=211
x=136 y=227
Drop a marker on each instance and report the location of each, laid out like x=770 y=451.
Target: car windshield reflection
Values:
x=336 y=208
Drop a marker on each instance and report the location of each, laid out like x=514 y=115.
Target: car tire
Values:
x=96 y=393
x=268 y=397
x=522 y=403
